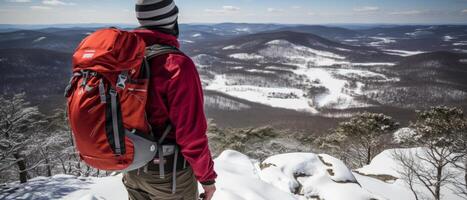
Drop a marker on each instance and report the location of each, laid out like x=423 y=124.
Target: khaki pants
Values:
x=149 y=186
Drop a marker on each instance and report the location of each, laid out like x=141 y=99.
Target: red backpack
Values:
x=107 y=99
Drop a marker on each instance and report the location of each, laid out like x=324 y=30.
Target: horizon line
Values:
x=273 y=23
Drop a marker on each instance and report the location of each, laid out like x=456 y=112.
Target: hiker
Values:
x=135 y=105
x=175 y=96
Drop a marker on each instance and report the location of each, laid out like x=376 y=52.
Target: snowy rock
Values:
x=238 y=180
x=313 y=176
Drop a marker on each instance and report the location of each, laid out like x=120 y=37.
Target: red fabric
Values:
x=176 y=95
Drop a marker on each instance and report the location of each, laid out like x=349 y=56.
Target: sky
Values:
x=248 y=11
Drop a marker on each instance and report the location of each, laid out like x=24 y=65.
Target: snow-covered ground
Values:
x=381 y=41
x=293 y=176
x=246 y=56
x=384 y=164
x=39 y=39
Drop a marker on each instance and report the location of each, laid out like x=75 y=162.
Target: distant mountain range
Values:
x=292 y=76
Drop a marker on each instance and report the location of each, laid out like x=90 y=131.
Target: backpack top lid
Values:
x=109 y=51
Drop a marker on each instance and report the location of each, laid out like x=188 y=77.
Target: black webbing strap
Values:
x=159 y=50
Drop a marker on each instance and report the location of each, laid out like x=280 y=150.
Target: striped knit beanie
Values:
x=158 y=15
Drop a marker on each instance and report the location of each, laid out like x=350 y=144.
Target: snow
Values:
x=196 y=35
x=342 y=49
x=224 y=103
x=380 y=41
x=402 y=52
x=39 y=39
x=243 y=29
x=461 y=50
x=448 y=38
x=246 y=56
x=338 y=95
x=384 y=164
x=391 y=191
x=403 y=134
x=237 y=67
x=277 y=68
x=66 y=187
x=288 y=98
x=462 y=43
x=340 y=92
x=230 y=47
x=187 y=41
x=318 y=175
x=204 y=60
x=292 y=176
x=238 y=180
x=298 y=54
x=373 y=64
x=260 y=71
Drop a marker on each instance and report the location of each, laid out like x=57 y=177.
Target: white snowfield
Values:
x=293 y=176
x=311 y=63
x=246 y=56
x=384 y=164
x=403 y=53
x=265 y=95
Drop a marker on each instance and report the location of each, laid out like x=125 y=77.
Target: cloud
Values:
x=367 y=9
x=231 y=8
x=407 y=12
x=464 y=11
x=223 y=10
x=57 y=3
x=19 y=1
x=40 y=7
x=275 y=10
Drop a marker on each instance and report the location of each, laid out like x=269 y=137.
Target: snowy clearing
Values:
x=402 y=52
x=260 y=71
x=39 y=39
x=230 y=47
x=289 y=98
x=246 y=56
x=462 y=43
x=373 y=64
x=381 y=41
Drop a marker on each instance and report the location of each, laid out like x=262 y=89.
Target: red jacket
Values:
x=177 y=96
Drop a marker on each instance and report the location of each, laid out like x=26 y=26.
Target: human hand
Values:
x=208 y=192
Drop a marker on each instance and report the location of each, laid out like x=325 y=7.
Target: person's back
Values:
x=175 y=97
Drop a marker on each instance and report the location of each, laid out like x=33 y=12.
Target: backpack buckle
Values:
x=85 y=75
x=121 y=81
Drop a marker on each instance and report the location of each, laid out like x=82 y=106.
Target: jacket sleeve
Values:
x=186 y=108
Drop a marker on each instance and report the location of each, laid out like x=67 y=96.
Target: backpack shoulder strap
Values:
x=159 y=49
